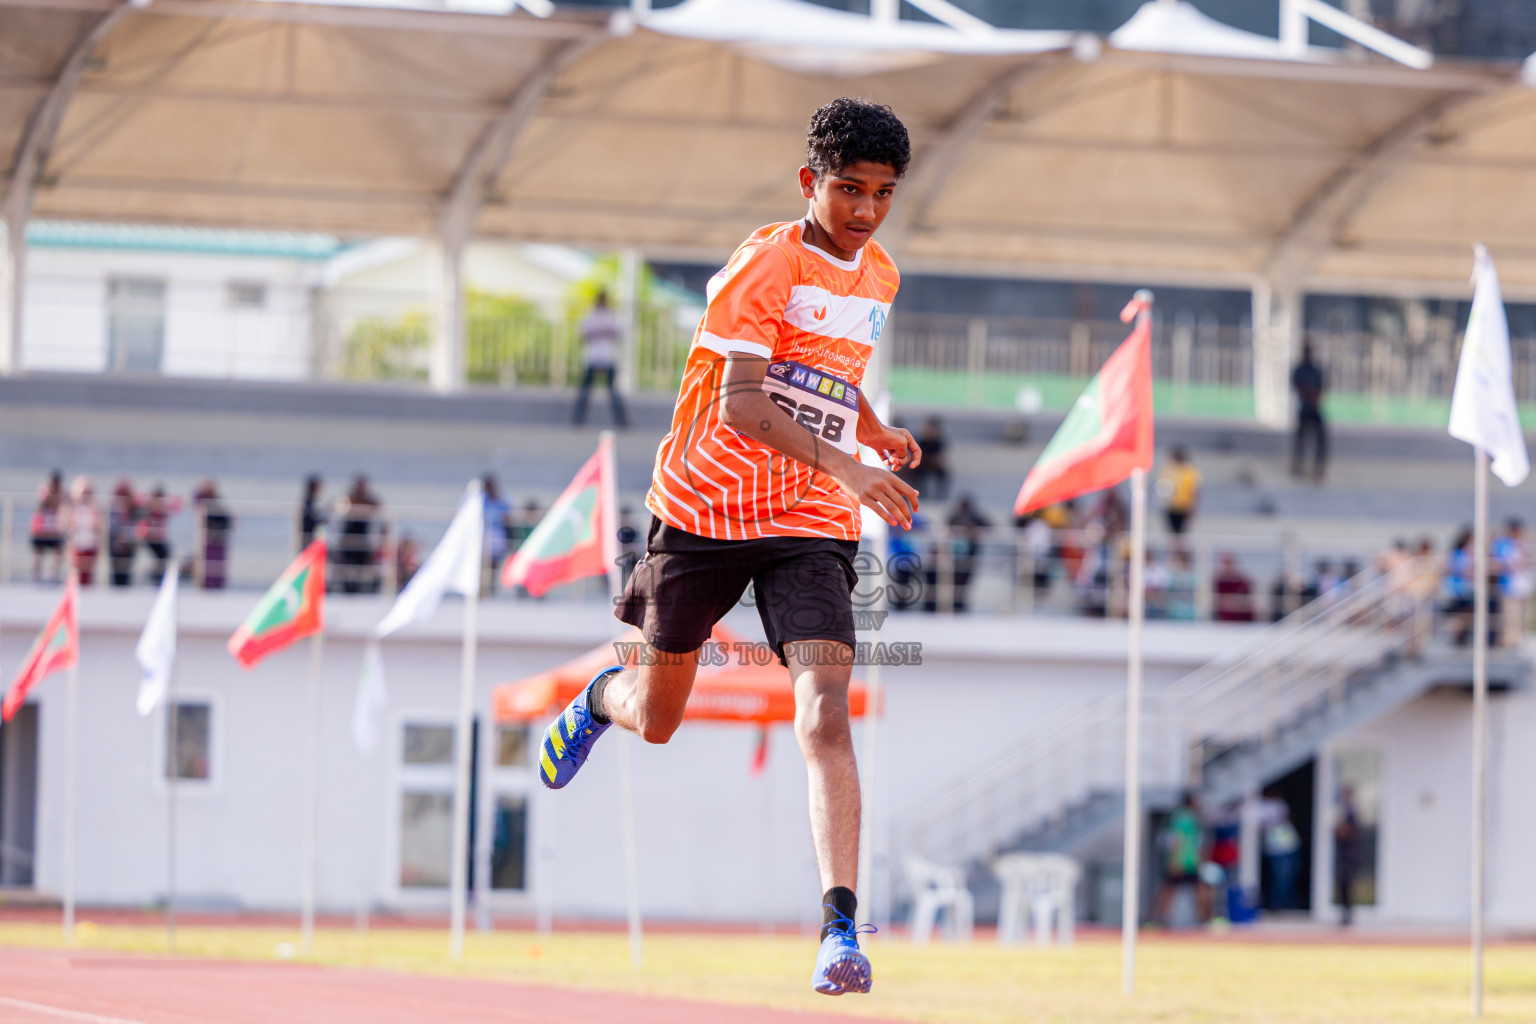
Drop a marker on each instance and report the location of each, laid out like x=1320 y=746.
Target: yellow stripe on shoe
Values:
x=556 y=740
x=547 y=767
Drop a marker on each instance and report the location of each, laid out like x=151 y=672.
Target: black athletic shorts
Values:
x=685 y=584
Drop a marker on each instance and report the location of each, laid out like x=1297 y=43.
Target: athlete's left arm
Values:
x=896 y=445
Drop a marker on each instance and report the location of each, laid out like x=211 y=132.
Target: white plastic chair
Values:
x=936 y=888
x=1016 y=872
x=1040 y=889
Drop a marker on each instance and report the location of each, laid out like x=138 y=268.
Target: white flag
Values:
x=1483 y=411
x=452 y=568
x=157 y=645
x=371 y=701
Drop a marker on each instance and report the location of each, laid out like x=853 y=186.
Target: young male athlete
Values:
x=759 y=481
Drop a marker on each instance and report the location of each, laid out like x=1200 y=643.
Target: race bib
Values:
x=821 y=403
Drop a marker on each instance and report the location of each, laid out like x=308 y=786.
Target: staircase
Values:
x=1244 y=719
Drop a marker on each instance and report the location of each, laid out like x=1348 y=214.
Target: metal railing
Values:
x=1299 y=666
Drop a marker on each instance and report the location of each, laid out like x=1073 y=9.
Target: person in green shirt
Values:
x=1183 y=845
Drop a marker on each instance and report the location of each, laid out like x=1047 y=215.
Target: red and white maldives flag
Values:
x=56 y=647
x=1107 y=433
x=578 y=536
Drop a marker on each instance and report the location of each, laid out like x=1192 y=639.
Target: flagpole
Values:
x=311 y=797
x=71 y=710
x=459 y=869
x=608 y=499
x=484 y=811
x=1479 y=723
x=173 y=783
x=879 y=533
x=1130 y=910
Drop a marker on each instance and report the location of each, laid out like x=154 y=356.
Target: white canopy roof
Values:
x=1180 y=151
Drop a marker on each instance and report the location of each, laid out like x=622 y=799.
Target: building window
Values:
x=135 y=325
x=247 y=295
x=512 y=747
x=188 y=740
x=426 y=839
x=428 y=744
x=509 y=842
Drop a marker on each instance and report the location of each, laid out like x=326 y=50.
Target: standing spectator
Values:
x=1346 y=853
x=1181 y=586
x=1282 y=850
x=1423 y=585
x=1183 y=844
x=1459 y=590
x=358 y=512
x=407 y=560
x=217 y=524
x=1180 y=487
x=84 y=530
x=533 y=512
x=311 y=511
x=1036 y=544
x=904 y=566
x=154 y=528
x=1109 y=512
x=498 y=527
x=599 y=344
x=1513 y=561
x=967 y=526
x=629 y=546
x=1307 y=382
x=935 y=464
x=47 y=527
x=1233 y=590
x=1155 y=579
x=122 y=532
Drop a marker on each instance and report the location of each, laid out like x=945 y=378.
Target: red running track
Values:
x=96 y=988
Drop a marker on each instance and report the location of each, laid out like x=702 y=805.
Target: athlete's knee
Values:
x=822 y=721
x=656 y=725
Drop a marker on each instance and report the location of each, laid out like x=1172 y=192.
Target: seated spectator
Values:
x=1287 y=593
x=217 y=524
x=935 y=463
x=154 y=529
x=1233 y=591
x=84 y=529
x=47 y=528
x=122 y=532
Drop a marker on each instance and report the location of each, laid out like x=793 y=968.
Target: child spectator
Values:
x=48 y=528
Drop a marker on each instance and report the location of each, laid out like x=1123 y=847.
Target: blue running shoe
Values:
x=569 y=738
x=840 y=965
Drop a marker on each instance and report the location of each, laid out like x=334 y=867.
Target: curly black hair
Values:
x=846 y=131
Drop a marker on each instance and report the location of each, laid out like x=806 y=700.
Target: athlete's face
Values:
x=850 y=204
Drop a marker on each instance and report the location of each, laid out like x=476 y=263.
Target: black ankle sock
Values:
x=595 y=699
x=839 y=902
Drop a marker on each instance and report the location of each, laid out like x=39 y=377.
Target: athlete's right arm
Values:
x=748 y=410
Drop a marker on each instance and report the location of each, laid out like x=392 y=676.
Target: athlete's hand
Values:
x=893 y=499
x=895 y=445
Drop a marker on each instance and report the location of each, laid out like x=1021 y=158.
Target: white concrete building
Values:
x=715 y=843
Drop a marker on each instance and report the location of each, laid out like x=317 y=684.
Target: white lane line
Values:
x=56 y=1011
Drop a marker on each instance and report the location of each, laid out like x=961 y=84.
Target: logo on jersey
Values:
x=819 y=314
x=876 y=324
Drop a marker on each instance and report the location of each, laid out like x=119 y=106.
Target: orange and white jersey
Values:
x=816 y=319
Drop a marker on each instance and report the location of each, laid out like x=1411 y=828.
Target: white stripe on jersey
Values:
x=817 y=311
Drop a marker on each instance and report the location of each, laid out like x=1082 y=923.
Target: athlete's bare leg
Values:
x=820 y=670
x=649 y=696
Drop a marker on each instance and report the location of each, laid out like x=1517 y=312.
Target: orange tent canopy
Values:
x=734 y=692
